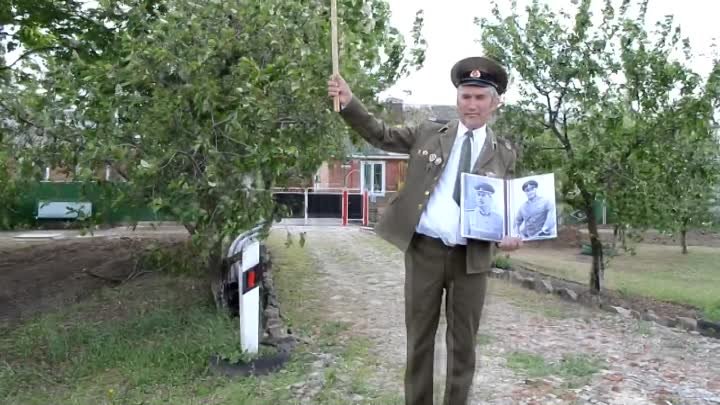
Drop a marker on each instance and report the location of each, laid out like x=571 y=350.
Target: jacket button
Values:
x=419 y=207
x=427 y=193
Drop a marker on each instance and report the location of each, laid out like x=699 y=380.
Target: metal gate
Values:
x=347 y=206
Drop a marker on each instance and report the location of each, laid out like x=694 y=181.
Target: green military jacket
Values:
x=403 y=212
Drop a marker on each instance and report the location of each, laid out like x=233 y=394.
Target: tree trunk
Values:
x=616 y=235
x=598 y=265
x=216 y=275
x=683 y=237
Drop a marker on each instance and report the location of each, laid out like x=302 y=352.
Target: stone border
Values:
x=275 y=333
x=576 y=292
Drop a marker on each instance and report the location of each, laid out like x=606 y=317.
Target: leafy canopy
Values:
x=202 y=107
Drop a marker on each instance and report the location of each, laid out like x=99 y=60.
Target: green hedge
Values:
x=103 y=196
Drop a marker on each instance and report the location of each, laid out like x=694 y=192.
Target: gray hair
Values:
x=493 y=92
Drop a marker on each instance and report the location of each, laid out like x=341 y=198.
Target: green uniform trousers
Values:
x=431 y=267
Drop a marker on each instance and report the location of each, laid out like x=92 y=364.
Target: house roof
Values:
x=367 y=151
x=382 y=155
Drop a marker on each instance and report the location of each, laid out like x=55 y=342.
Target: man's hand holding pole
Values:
x=339 y=90
x=335 y=58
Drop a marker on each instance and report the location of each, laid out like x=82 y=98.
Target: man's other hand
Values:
x=338 y=86
x=508 y=244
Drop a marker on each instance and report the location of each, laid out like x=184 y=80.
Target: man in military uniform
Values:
x=423 y=220
x=536 y=213
x=482 y=222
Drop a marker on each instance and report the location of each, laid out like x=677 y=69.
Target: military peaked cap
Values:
x=479 y=71
x=529 y=183
x=484 y=188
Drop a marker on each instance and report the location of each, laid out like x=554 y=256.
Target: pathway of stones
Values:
x=533 y=349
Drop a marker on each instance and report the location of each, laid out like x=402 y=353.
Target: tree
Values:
x=600 y=88
x=205 y=107
x=689 y=184
x=676 y=107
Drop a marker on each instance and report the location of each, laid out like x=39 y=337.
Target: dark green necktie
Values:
x=464 y=166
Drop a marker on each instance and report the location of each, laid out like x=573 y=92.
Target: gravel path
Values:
x=533 y=349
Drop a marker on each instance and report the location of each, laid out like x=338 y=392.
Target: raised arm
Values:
x=375 y=131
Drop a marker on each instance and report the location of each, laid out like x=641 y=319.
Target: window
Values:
x=373 y=177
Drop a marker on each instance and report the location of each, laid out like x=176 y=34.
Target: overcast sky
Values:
x=452 y=35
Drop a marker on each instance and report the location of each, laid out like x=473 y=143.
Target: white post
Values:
x=246 y=271
x=306 y=206
x=250 y=299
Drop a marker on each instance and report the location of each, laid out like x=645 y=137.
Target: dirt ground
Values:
x=38 y=275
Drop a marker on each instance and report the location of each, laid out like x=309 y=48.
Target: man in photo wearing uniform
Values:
x=423 y=221
x=482 y=221
x=536 y=213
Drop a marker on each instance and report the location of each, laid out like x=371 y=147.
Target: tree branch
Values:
x=565 y=130
x=189 y=156
x=551 y=112
x=552 y=125
x=235 y=141
x=119 y=171
x=28 y=53
x=541 y=91
x=19 y=117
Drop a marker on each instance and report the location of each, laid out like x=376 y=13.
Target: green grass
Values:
x=656 y=271
x=529 y=364
x=149 y=342
x=502 y=262
x=83 y=355
x=574 y=369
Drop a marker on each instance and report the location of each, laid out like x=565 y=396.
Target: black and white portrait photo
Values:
x=533 y=214
x=482 y=208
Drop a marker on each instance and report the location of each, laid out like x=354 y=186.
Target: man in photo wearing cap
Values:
x=482 y=221
x=423 y=220
x=536 y=214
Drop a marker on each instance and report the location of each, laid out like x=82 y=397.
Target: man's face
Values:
x=475 y=105
x=530 y=192
x=483 y=200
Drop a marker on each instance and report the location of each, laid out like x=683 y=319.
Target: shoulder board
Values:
x=508 y=145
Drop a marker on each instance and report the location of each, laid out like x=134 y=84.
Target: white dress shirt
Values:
x=441 y=217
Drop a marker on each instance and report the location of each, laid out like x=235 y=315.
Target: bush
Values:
x=502 y=262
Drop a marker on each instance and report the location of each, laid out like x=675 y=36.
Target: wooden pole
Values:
x=335 y=62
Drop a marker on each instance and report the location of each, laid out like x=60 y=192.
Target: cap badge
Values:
x=475 y=74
